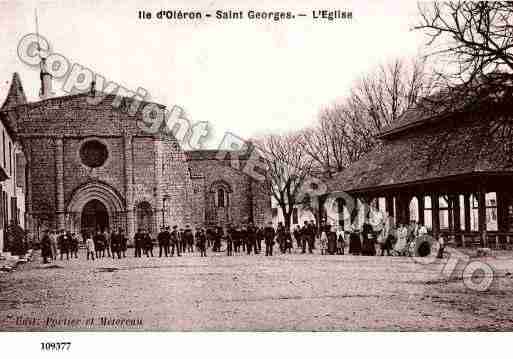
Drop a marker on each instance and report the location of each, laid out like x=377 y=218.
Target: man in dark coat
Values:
x=332 y=240
x=175 y=241
x=161 y=239
x=355 y=244
x=243 y=234
x=46 y=247
x=188 y=238
x=235 y=234
x=280 y=235
x=251 y=239
x=64 y=243
x=74 y=245
x=229 y=240
x=138 y=242
x=122 y=242
x=368 y=240
x=116 y=243
x=269 y=234
x=297 y=236
x=148 y=244
x=304 y=233
x=201 y=241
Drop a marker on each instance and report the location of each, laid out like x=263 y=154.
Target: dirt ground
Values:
x=285 y=292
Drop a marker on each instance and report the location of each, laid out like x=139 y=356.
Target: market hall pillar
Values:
x=481 y=205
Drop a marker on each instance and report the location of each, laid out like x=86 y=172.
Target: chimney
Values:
x=46 y=81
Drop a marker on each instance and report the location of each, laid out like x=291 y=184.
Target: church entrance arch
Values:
x=95 y=206
x=95 y=217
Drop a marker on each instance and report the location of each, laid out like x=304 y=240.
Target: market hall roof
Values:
x=429 y=146
x=496 y=88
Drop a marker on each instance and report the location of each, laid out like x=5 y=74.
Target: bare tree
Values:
x=287 y=167
x=474 y=39
x=475 y=42
x=347 y=130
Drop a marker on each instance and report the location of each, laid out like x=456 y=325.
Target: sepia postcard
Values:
x=270 y=166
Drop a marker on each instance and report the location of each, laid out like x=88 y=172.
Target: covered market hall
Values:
x=447 y=164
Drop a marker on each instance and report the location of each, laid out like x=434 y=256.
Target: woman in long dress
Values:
x=324 y=242
x=355 y=242
x=402 y=240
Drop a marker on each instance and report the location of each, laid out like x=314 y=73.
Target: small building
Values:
x=448 y=164
x=12 y=167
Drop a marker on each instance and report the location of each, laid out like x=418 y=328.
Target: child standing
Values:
x=324 y=242
x=441 y=246
x=89 y=246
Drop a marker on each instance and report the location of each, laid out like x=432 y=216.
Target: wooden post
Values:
x=389 y=204
x=457 y=218
x=482 y=215
x=340 y=213
x=467 y=211
x=420 y=199
x=436 y=214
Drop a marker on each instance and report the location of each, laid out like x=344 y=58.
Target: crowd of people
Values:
x=236 y=240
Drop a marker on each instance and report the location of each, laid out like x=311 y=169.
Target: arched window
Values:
x=220 y=197
x=221 y=194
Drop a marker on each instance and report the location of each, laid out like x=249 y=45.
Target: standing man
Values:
x=108 y=245
x=269 y=234
x=148 y=243
x=138 y=240
x=74 y=245
x=313 y=233
x=160 y=240
x=54 y=244
x=63 y=244
x=303 y=232
x=123 y=241
x=243 y=235
x=46 y=247
x=251 y=239
x=236 y=238
x=201 y=241
x=175 y=242
x=115 y=245
x=188 y=238
x=229 y=240
x=167 y=240
x=218 y=237
x=297 y=235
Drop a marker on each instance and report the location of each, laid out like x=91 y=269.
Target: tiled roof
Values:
x=434 y=153
x=16 y=95
x=199 y=155
x=496 y=88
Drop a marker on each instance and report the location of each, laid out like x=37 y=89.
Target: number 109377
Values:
x=55 y=346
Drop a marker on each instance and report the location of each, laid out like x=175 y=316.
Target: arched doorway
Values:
x=94 y=216
x=95 y=206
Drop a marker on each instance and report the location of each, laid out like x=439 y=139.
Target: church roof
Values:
x=15 y=95
x=434 y=154
x=211 y=154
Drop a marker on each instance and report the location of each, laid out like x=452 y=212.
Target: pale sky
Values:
x=242 y=76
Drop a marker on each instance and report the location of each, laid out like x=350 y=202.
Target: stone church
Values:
x=90 y=166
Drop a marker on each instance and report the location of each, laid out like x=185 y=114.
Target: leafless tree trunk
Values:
x=287 y=167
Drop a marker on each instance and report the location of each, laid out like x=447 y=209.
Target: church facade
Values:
x=90 y=166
